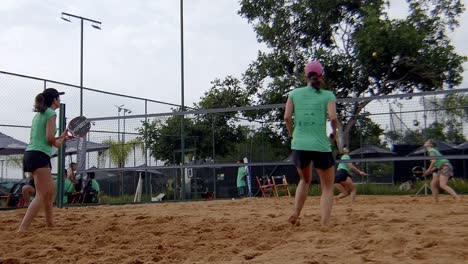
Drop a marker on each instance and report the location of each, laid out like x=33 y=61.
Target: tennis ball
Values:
x=374 y=54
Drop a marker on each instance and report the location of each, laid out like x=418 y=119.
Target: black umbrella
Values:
x=463 y=146
x=442 y=146
x=71 y=147
x=371 y=151
x=11 y=146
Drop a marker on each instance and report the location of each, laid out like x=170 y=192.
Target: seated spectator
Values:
x=91 y=189
x=68 y=189
x=28 y=191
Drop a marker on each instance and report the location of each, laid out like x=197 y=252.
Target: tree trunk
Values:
x=346 y=128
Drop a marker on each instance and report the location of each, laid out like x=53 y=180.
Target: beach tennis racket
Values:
x=78 y=127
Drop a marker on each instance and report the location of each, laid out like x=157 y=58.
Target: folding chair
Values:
x=280 y=186
x=265 y=185
x=7 y=198
x=13 y=200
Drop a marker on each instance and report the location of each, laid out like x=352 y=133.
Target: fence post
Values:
x=61 y=160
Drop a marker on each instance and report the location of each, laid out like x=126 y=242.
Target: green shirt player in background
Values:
x=311 y=105
x=241 y=175
x=343 y=179
x=441 y=170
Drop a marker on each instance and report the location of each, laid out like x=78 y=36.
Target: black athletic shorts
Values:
x=341 y=175
x=33 y=160
x=320 y=160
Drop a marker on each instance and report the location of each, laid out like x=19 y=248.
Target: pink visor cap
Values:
x=314 y=66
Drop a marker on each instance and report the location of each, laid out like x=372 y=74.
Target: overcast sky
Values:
x=137 y=52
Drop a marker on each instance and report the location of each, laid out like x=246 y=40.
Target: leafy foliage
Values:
x=412 y=53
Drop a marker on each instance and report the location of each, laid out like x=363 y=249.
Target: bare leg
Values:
x=43 y=181
x=327 y=178
x=443 y=180
x=301 y=192
x=352 y=189
x=28 y=191
x=435 y=188
x=343 y=192
x=48 y=205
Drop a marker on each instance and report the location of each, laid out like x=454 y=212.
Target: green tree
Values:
x=366 y=132
x=452 y=111
x=437 y=131
x=259 y=144
x=412 y=53
x=163 y=136
x=118 y=153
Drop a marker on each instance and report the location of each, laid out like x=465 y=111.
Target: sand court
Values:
x=377 y=229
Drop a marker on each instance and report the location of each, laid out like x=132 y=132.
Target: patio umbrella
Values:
x=371 y=151
x=463 y=146
x=11 y=146
x=71 y=147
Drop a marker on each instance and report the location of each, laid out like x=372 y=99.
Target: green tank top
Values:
x=310 y=119
x=438 y=163
x=344 y=165
x=37 y=139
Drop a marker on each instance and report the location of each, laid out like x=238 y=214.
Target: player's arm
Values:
x=431 y=166
x=288 y=116
x=356 y=170
x=50 y=133
x=331 y=109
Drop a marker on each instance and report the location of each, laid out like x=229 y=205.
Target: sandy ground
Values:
x=377 y=229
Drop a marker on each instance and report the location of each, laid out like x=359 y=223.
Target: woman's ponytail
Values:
x=39 y=103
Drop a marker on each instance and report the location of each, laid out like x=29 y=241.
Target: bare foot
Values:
x=337 y=201
x=324 y=228
x=294 y=220
x=21 y=231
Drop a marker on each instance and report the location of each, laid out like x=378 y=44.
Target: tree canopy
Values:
x=365 y=52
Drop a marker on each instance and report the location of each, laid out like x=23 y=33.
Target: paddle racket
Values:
x=78 y=127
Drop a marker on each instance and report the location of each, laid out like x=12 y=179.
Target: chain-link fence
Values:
x=385 y=139
x=141 y=141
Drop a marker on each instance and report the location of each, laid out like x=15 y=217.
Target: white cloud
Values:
x=137 y=51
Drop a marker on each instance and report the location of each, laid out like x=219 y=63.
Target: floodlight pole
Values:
x=96 y=25
x=182 y=141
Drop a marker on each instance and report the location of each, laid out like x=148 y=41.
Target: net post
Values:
x=61 y=160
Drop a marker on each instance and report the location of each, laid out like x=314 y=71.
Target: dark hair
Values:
x=310 y=75
x=91 y=174
x=241 y=161
x=432 y=141
x=41 y=103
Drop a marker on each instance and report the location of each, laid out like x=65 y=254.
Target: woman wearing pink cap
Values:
x=310 y=144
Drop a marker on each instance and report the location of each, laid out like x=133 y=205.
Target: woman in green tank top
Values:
x=441 y=171
x=36 y=160
x=311 y=106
